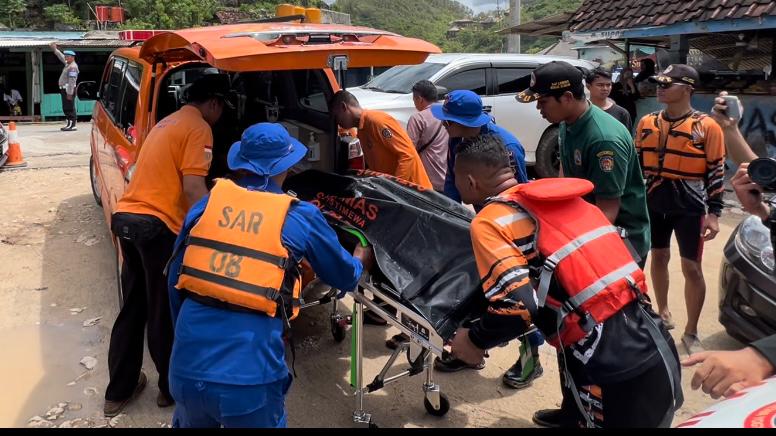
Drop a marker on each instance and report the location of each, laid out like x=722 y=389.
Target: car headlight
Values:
x=754 y=242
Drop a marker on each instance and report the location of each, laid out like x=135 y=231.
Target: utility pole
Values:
x=513 y=39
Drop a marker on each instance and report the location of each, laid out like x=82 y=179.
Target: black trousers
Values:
x=68 y=106
x=145 y=302
x=640 y=402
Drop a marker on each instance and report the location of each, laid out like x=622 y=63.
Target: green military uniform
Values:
x=599 y=148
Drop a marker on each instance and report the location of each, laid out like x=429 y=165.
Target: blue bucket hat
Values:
x=265 y=149
x=462 y=107
x=68 y=53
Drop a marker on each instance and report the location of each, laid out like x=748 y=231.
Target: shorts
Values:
x=688 y=233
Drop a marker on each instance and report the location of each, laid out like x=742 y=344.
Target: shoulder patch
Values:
x=72 y=73
x=577 y=157
x=606 y=163
x=386 y=133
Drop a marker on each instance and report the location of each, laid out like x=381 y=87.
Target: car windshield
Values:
x=401 y=78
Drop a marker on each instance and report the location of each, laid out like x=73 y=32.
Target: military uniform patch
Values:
x=386 y=133
x=606 y=163
x=577 y=157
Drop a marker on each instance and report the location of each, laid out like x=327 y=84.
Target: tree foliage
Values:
x=427 y=19
x=61 y=14
x=12 y=12
x=169 y=14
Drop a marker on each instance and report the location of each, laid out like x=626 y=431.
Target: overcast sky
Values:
x=485 y=5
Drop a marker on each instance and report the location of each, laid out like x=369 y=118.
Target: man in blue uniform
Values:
x=228 y=364
x=464 y=118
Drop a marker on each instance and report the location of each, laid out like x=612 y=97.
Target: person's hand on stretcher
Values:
x=367 y=258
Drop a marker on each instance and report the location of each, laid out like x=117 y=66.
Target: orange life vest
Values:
x=234 y=254
x=674 y=151
x=581 y=251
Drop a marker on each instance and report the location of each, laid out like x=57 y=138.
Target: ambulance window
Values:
x=132 y=76
x=472 y=80
x=111 y=91
x=513 y=80
x=311 y=90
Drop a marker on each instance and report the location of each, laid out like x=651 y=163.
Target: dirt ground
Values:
x=58 y=276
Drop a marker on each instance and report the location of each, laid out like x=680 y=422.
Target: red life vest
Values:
x=582 y=251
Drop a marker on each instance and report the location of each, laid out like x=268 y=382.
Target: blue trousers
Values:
x=201 y=404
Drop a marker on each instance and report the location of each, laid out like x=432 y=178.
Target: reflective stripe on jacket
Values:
x=588 y=273
x=234 y=253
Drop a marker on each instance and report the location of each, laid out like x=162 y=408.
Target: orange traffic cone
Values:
x=15 y=158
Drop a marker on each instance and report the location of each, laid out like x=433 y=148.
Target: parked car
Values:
x=497 y=78
x=747 y=283
x=280 y=72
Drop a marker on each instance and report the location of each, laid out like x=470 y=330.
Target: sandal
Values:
x=396 y=341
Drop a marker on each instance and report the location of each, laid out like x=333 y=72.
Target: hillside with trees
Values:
x=425 y=19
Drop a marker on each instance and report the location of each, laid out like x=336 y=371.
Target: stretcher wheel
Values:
x=337 y=330
x=373 y=425
x=444 y=406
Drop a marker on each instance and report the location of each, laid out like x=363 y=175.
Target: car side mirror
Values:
x=441 y=92
x=87 y=91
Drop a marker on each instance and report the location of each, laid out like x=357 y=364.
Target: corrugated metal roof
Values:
x=624 y=14
x=31 y=34
x=96 y=43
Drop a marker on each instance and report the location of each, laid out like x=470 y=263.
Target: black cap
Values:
x=552 y=78
x=677 y=73
x=210 y=85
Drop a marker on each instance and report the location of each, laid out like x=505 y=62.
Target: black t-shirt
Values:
x=621 y=115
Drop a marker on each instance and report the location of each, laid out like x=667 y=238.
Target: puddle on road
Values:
x=36 y=364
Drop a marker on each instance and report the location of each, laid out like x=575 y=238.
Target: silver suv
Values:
x=494 y=77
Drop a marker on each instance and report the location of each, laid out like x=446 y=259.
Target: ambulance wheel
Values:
x=119 y=265
x=337 y=330
x=444 y=406
x=95 y=183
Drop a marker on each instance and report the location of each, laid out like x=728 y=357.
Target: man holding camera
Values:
x=724 y=373
x=682 y=154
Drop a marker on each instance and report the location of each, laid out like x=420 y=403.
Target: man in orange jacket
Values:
x=387 y=146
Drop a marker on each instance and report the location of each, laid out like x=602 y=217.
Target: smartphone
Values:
x=734 y=108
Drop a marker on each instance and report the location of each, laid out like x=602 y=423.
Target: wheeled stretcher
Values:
x=424 y=344
x=425 y=282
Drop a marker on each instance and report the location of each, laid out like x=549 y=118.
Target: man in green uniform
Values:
x=597 y=147
x=593 y=146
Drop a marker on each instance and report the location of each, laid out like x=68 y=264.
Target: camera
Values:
x=762 y=171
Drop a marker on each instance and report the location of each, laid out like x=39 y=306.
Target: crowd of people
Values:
x=213 y=274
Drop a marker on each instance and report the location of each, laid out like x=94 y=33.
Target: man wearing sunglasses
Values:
x=682 y=153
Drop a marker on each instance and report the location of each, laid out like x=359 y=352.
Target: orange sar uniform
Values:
x=146 y=222
x=684 y=165
x=615 y=359
x=389 y=150
x=179 y=145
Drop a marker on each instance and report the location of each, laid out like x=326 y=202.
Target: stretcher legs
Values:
x=360 y=416
x=420 y=359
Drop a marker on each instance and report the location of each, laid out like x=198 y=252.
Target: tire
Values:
x=548 y=154
x=119 y=263
x=444 y=406
x=94 y=183
x=337 y=330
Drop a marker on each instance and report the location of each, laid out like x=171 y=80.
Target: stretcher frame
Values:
x=425 y=343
